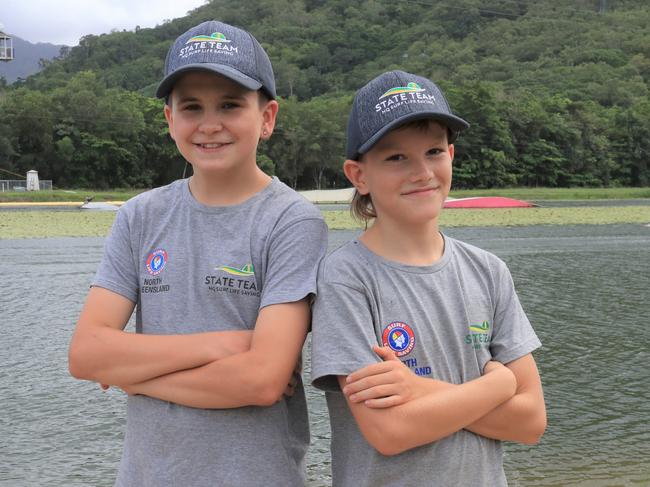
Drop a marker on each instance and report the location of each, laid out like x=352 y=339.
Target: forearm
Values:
x=445 y=409
x=518 y=419
x=256 y=377
x=236 y=381
x=523 y=417
x=115 y=357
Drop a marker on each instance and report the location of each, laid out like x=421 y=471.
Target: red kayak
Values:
x=487 y=202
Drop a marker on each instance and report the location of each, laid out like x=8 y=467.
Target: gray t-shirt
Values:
x=192 y=268
x=444 y=321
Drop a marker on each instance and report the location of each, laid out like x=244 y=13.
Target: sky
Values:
x=66 y=21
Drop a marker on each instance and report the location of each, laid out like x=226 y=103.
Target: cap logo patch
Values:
x=216 y=37
x=216 y=43
x=409 y=88
x=399 y=96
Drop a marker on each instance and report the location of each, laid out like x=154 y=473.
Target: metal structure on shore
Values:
x=6 y=46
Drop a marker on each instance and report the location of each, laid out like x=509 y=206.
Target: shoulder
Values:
x=289 y=204
x=469 y=255
x=345 y=265
x=157 y=199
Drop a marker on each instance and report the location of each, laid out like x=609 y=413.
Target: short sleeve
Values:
x=118 y=271
x=513 y=335
x=342 y=334
x=294 y=254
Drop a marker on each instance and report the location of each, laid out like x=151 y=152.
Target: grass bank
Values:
x=44 y=224
x=530 y=194
x=67 y=195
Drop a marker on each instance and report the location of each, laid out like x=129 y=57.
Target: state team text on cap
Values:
x=393 y=99
x=222 y=49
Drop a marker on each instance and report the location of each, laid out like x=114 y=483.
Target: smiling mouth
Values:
x=211 y=145
x=420 y=190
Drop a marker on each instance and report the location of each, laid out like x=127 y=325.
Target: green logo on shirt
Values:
x=479 y=336
x=247 y=270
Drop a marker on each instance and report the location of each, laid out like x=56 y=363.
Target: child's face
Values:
x=217 y=123
x=407 y=173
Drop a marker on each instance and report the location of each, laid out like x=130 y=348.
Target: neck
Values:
x=411 y=245
x=227 y=189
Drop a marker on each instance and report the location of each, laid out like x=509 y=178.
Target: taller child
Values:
x=220 y=268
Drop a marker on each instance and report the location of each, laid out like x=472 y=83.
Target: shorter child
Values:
x=411 y=327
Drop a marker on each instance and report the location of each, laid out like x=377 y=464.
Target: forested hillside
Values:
x=556 y=91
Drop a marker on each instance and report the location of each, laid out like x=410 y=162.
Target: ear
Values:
x=170 y=120
x=354 y=171
x=451 y=152
x=269 y=115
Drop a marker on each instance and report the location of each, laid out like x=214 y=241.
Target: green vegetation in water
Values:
x=341 y=219
x=45 y=224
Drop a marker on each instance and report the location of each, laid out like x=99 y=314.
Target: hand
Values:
x=385 y=384
x=494 y=367
x=293 y=381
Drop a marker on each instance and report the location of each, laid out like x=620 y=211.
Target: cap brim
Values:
x=166 y=85
x=455 y=124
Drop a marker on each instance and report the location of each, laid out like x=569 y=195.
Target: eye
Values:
x=191 y=107
x=229 y=105
x=434 y=151
x=396 y=158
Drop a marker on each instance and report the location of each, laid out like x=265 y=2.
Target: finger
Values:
x=374 y=369
x=375 y=380
x=376 y=392
x=385 y=353
x=385 y=402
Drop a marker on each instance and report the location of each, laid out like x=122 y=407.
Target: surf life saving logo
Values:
x=403 y=95
x=399 y=337
x=215 y=43
x=247 y=270
x=479 y=336
x=156 y=261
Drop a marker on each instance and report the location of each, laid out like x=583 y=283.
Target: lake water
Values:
x=585 y=288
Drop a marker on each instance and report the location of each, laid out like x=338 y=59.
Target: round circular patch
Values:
x=399 y=337
x=156 y=262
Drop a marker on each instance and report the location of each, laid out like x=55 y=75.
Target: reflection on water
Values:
x=585 y=289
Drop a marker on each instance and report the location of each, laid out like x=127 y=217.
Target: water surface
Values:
x=585 y=289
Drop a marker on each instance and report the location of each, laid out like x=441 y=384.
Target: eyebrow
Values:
x=191 y=98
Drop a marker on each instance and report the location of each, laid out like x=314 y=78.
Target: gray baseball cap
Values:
x=222 y=49
x=391 y=100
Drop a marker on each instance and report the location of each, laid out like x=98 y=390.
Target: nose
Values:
x=421 y=170
x=210 y=123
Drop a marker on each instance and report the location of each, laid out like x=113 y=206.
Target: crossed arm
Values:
x=208 y=370
x=397 y=410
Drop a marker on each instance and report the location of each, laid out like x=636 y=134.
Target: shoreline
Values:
x=50 y=223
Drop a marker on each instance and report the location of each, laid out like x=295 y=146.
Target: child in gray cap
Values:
x=418 y=339
x=220 y=267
